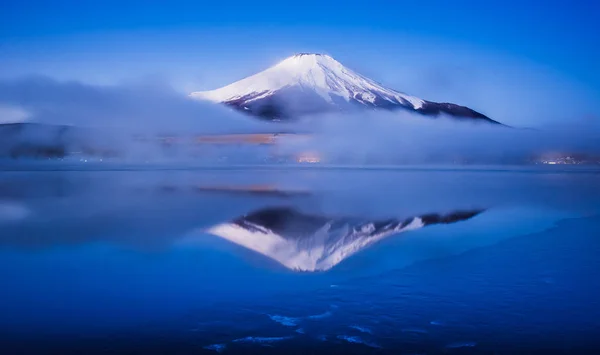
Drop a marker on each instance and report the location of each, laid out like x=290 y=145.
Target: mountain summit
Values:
x=314 y=242
x=309 y=83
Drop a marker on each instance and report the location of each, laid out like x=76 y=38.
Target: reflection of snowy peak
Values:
x=311 y=243
x=312 y=83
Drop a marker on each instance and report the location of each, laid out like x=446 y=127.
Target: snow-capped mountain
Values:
x=313 y=83
x=306 y=242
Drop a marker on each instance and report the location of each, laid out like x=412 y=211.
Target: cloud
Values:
x=12 y=211
x=406 y=138
x=12 y=114
x=107 y=120
x=147 y=105
x=153 y=107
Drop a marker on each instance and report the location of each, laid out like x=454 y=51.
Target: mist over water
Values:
x=402 y=137
x=110 y=117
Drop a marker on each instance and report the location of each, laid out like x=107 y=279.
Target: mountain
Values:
x=314 y=83
x=306 y=242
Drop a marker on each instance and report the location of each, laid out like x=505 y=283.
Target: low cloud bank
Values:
x=58 y=118
x=107 y=117
x=402 y=137
x=143 y=106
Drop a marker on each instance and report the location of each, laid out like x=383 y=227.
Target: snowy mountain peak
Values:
x=307 y=242
x=310 y=57
x=303 y=62
x=310 y=54
x=312 y=83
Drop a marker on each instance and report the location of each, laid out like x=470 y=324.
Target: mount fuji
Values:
x=308 y=242
x=310 y=83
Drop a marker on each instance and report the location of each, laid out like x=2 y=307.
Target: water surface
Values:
x=268 y=260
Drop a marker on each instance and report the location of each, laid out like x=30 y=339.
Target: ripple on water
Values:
x=216 y=347
x=358 y=340
x=320 y=316
x=415 y=330
x=293 y=321
x=362 y=329
x=262 y=340
x=461 y=344
x=283 y=320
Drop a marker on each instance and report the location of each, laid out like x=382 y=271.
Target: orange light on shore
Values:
x=308 y=157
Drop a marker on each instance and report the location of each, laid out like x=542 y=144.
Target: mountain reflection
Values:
x=306 y=242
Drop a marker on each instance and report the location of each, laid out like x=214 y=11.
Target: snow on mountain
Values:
x=305 y=242
x=313 y=83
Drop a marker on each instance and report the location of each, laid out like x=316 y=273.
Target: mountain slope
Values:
x=314 y=83
x=307 y=242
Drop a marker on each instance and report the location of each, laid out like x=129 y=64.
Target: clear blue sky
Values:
x=543 y=55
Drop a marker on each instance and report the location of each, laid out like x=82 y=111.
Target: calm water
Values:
x=398 y=261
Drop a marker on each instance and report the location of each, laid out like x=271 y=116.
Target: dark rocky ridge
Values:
x=290 y=223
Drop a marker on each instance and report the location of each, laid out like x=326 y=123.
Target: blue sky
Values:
x=541 y=57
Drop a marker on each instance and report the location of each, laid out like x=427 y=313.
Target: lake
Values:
x=295 y=260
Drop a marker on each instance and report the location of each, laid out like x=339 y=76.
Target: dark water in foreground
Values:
x=383 y=261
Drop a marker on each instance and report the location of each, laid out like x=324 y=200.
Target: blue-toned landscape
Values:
x=314 y=177
x=127 y=261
